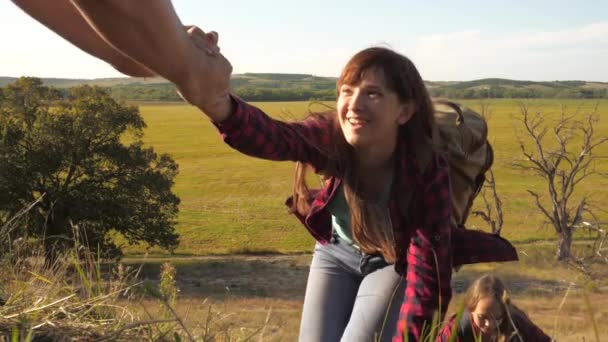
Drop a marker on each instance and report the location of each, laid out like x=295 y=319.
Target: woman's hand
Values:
x=204 y=41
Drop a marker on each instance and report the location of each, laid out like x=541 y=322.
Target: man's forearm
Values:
x=148 y=31
x=64 y=19
x=150 y=36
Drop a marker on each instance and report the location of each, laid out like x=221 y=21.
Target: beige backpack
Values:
x=463 y=138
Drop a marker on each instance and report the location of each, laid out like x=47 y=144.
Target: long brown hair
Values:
x=491 y=286
x=371 y=231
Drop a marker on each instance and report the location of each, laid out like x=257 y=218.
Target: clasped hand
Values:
x=206 y=83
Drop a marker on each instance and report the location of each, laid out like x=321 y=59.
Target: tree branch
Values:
x=540 y=206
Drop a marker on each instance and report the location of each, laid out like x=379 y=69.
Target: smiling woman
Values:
x=383 y=260
x=370 y=113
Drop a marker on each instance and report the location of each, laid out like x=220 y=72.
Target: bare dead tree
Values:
x=562 y=167
x=492 y=213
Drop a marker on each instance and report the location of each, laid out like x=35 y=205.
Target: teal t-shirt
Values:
x=340 y=213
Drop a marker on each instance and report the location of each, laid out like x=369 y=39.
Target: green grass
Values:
x=232 y=202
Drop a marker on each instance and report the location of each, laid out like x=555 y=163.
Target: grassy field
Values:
x=233 y=203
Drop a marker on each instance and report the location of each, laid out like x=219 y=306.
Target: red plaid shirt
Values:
x=426 y=251
x=526 y=329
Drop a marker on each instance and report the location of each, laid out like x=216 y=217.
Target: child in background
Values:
x=489 y=315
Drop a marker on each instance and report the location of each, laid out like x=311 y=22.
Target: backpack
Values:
x=463 y=139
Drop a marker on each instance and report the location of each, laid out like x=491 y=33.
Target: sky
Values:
x=448 y=40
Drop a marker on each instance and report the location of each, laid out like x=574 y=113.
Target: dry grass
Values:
x=77 y=297
x=236 y=318
x=250 y=289
x=247 y=298
x=67 y=300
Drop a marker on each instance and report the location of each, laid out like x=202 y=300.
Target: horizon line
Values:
x=146 y=79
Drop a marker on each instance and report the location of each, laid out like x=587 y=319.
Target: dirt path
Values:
x=273 y=276
x=284 y=276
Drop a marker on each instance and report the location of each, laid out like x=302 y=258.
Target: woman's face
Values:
x=369 y=112
x=487 y=315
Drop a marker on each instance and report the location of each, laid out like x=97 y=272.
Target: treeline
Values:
x=148 y=92
x=499 y=92
x=274 y=94
x=488 y=82
x=303 y=87
x=166 y=92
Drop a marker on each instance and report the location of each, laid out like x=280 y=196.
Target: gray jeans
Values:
x=349 y=295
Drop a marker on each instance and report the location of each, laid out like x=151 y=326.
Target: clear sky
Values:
x=447 y=39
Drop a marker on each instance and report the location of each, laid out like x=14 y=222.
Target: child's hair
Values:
x=491 y=286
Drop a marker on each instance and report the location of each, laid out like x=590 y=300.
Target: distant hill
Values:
x=247 y=79
x=505 y=88
x=295 y=87
x=102 y=82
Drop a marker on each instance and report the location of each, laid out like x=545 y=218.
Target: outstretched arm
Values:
x=147 y=31
x=63 y=18
x=151 y=33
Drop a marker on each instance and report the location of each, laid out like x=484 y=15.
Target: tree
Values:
x=492 y=212
x=72 y=149
x=562 y=167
